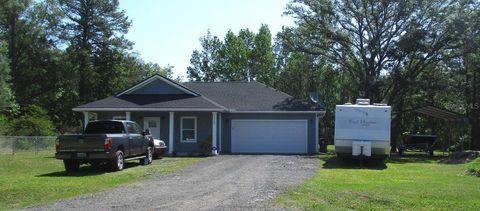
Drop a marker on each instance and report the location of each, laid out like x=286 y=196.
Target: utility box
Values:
x=362 y=130
x=323 y=145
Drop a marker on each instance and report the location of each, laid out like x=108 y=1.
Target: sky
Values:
x=167 y=31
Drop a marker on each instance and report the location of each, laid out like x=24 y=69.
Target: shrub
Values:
x=33 y=122
x=3 y=125
x=474 y=167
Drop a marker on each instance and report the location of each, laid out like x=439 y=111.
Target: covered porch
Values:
x=184 y=132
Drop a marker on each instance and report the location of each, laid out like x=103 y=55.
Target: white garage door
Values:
x=269 y=136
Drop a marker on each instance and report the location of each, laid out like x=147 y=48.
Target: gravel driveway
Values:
x=226 y=182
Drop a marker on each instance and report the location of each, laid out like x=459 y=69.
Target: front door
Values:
x=152 y=124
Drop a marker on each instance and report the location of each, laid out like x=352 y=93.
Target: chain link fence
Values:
x=16 y=144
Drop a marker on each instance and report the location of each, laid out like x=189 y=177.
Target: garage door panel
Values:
x=269 y=136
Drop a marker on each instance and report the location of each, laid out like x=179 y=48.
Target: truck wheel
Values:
x=71 y=165
x=117 y=163
x=149 y=157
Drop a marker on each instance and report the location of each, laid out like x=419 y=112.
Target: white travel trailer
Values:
x=362 y=130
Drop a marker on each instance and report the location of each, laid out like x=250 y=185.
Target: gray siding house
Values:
x=224 y=117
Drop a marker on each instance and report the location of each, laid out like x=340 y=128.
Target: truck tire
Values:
x=117 y=163
x=149 y=157
x=71 y=165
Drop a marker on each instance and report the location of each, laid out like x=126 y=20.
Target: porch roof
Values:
x=150 y=102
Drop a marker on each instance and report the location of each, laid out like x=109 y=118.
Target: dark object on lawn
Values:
x=462 y=156
x=423 y=143
x=323 y=145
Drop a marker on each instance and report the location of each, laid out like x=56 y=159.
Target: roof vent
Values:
x=363 y=101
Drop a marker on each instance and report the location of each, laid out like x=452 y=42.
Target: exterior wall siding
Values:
x=204 y=127
x=158 y=87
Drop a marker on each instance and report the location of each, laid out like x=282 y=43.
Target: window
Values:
x=188 y=129
x=138 y=129
x=101 y=127
x=152 y=124
x=133 y=128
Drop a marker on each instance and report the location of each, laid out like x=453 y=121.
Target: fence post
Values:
x=35 y=142
x=13 y=145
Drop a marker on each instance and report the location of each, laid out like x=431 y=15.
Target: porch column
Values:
x=220 y=133
x=316 y=134
x=170 y=133
x=86 y=118
x=214 y=133
x=128 y=116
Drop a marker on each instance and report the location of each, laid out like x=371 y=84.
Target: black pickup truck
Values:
x=105 y=141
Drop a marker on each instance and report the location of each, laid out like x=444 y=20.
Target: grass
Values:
x=413 y=182
x=27 y=179
x=474 y=167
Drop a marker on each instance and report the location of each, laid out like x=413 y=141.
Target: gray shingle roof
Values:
x=250 y=96
x=228 y=96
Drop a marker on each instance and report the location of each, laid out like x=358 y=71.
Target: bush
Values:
x=3 y=125
x=474 y=167
x=24 y=144
x=33 y=122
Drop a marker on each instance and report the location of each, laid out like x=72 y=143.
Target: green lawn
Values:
x=28 y=179
x=414 y=182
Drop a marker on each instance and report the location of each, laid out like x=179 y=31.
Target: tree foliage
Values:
x=6 y=96
x=62 y=53
x=245 y=56
x=381 y=46
x=34 y=122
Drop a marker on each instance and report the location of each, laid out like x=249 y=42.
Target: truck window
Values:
x=133 y=128
x=102 y=127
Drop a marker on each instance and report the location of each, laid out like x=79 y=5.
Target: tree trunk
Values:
x=396 y=100
x=475 y=134
x=475 y=130
x=396 y=126
x=12 y=45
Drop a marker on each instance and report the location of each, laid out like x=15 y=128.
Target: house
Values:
x=227 y=117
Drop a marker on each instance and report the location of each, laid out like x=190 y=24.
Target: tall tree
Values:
x=205 y=64
x=95 y=30
x=33 y=54
x=11 y=11
x=6 y=95
x=372 y=41
x=467 y=33
x=262 y=58
x=246 y=56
